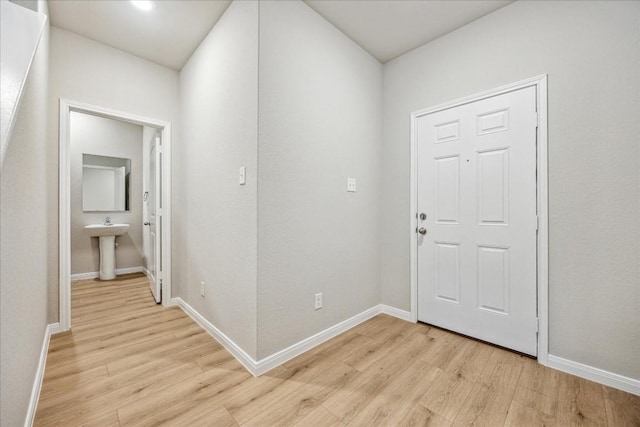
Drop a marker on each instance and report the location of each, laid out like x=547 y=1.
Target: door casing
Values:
x=540 y=84
x=64 y=191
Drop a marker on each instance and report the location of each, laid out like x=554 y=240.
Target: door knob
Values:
x=146 y=223
x=422 y=230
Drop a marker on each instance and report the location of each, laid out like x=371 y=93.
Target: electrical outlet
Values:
x=351 y=185
x=318 y=301
x=202 y=289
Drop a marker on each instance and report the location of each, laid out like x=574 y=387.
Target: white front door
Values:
x=477 y=210
x=154 y=201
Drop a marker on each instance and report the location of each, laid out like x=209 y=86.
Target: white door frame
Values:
x=64 y=190
x=540 y=83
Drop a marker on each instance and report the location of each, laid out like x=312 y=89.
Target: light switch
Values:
x=243 y=175
x=351 y=185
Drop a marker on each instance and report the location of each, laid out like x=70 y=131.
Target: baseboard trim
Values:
x=95 y=274
x=257 y=368
x=601 y=376
x=51 y=329
x=396 y=312
x=233 y=348
x=277 y=359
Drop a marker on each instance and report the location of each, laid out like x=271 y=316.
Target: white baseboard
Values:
x=233 y=348
x=277 y=359
x=396 y=312
x=94 y=274
x=262 y=366
x=51 y=329
x=610 y=379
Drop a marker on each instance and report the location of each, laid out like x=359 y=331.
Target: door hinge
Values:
x=537 y=324
x=537 y=222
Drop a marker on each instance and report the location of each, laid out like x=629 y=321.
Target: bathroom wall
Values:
x=23 y=243
x=85 y=71
x=591 y=52
x=112 y=138
x=320 y=121
x=218 y=224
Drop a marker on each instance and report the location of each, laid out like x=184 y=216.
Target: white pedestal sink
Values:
x=106 y=235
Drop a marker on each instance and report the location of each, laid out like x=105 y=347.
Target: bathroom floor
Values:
x=129 y=361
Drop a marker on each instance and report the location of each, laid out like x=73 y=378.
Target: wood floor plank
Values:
x=319 y=417
x=530 y=408
x=215 y=359
x=622 y=409
x=129 y=361
x=540 y=379
x=364 y=357
x=419 y=416
x=219 y=417
x=108 y=419
x=295 y=406
x=79 y=410
x=485 y=406
x=81 y=362
x=53 y=387
x=187 y=402
x=470 y=360
x=443 y=347
x=191 y=349
x=396 y=399
x=580 y=402
x=310 y=364
x=283 y=385
x=447 y=395
x=346 y=404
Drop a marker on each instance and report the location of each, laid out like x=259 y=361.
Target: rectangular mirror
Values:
x=105 y=183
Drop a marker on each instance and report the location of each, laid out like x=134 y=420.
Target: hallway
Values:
x=129 y=361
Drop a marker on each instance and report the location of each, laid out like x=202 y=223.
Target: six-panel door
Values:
x=477 y=187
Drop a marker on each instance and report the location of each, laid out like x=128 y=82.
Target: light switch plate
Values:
x=351 y=185
x=242 y=176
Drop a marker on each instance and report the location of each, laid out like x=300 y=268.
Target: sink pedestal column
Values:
x=107 y=257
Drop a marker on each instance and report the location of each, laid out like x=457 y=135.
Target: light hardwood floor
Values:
x=129 y=361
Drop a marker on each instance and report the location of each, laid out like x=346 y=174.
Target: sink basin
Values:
x=106 y=235
x=98 y=230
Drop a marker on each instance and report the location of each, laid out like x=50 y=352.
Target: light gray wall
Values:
x=23 y=245
x=216 y=242
x=86 y=71
x=591 y=53
x=319 y=123
x=113 y=138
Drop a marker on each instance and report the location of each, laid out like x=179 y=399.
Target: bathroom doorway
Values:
x=144 y=211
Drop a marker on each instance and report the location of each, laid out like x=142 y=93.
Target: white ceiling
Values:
x=170 y=33
x=389 y=28
x=167 y=35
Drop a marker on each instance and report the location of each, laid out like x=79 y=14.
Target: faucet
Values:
x=107 y=221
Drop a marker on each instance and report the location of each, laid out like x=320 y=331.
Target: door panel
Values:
x=155 y=266
x=477 y=187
